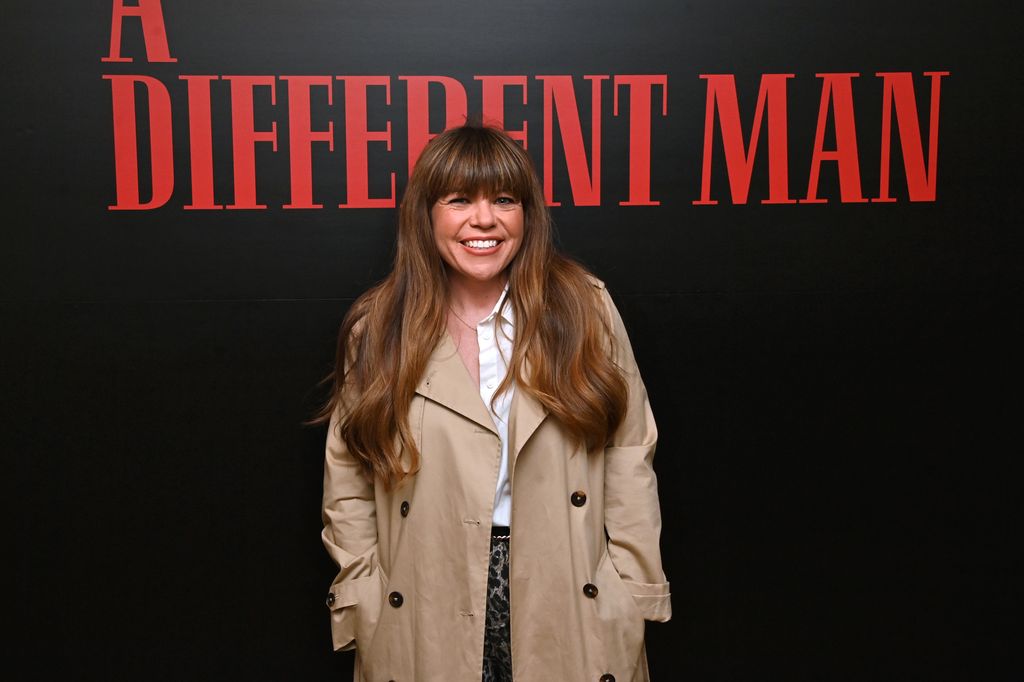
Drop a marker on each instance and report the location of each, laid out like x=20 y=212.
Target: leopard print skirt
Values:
x=497 y=639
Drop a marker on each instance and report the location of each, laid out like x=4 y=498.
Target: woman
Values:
x=488 y=490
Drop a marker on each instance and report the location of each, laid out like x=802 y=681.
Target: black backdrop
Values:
x=835 y=383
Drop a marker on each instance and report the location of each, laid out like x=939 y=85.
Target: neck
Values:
x=474 y=298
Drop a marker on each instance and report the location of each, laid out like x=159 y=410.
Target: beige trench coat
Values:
x=411 y=592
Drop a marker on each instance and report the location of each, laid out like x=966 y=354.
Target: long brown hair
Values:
x=389 y=333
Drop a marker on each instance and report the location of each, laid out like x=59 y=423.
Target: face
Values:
x=477 y=236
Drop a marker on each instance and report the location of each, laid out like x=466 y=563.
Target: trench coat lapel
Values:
x=447 y=381
x=525 y=415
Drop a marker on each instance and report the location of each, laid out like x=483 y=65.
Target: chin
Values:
x=481 y=276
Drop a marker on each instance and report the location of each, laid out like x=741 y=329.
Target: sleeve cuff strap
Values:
x=653 y=599
x=343 y=622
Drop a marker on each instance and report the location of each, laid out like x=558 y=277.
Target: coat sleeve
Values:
x=632 y=511
x=349 y=534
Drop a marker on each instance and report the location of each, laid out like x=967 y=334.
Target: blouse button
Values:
x=578 y=498
x=395 y=599
x=330 y=599
x=590 y=589
x=607 y=677
x=404 y=509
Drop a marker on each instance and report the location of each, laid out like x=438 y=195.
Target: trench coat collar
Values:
x=447 y=381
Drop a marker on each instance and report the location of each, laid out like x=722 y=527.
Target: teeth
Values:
x=481 y=243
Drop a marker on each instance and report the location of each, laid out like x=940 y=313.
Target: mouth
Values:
x=480 y=244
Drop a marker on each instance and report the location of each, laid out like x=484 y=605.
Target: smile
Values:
x=480 y=243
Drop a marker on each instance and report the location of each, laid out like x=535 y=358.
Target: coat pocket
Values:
x=368 y=611
x=619 y=620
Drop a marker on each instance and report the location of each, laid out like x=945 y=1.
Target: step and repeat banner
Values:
x=805 y=212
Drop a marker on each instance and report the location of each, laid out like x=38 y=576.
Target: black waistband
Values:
x=500 y=530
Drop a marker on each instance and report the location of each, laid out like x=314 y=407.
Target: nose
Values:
x=483 y=213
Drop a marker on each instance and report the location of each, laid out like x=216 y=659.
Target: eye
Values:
x=505 y=200
x=453 y=199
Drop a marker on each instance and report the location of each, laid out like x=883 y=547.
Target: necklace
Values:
x=460 y=318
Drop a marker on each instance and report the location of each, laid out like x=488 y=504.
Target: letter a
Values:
x=153 y=32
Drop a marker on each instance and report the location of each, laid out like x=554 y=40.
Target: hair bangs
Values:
x=481 y=163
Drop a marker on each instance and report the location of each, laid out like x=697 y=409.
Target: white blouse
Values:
x=494 y=336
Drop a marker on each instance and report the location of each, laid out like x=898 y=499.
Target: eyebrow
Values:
x=461 y=193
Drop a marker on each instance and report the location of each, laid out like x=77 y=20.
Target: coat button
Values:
x=404 y=508
x=395 y=599
x=330 y=599
x=607 y=677
x=578 y=498
x=590 y=589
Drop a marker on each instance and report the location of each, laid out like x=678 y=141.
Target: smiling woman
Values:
x=477 y=237
x=488 y=482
